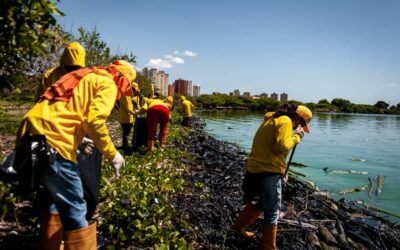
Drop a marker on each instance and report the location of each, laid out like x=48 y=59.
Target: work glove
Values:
x=118 y=162
x=299 y=131
x=86 y=147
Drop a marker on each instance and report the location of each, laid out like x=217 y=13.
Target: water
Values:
x=357 y=142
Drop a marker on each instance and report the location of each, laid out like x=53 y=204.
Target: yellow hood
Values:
x=74 y=54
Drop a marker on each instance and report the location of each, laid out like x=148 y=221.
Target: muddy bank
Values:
x=315 y=221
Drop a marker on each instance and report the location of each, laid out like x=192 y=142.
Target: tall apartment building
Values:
x=284 y=97
x=196 y=90
x=159 y=78
x=236 y=92
x=262 y=95
x=183 y=87
x=274 y=96
x=171 y=90
x=246 y=94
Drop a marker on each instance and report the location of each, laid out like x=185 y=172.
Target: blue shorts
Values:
x=63 y=182
x=266 y=190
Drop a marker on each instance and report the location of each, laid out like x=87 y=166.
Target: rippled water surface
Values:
x=357 y=142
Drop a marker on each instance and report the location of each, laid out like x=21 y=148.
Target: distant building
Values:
x=262 y=95
x=231 y=93
x=246 y=94
x=216 y=93
x=159 y=78
x=171 y=90
x=183 y=87
x=284 y=97
x=274 y=96
x=196 y=90
x=236 y=92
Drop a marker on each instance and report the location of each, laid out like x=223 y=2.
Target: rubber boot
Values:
x=150 y=145
x=247 y=217
x=163 y=141
x=269 y=236
x=51 y=231
x=82 y=238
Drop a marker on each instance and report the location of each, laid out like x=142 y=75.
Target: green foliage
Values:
x=234 y=102
x=265 y=103
x=136 y=207
x=97 y=51
x=312 y=106
x=342 y=104
x=144 y=84
x=24 y=33
x=381 y=105
x=323 y=101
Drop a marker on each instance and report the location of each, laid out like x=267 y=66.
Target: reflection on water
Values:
x=354 y=142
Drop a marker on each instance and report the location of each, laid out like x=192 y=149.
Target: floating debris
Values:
x=344 y=171
x=352 y=190
x=379 y=185
x=296 y=164
x=357 y=159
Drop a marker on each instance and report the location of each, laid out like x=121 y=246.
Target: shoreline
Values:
x=221 y=166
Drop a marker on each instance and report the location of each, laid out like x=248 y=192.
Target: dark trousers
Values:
x=126 y=130
x=186 y=122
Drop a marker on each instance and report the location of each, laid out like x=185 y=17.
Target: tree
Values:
x=24 y=31
x=381 y=105
x=342 y=104
x=97 y=51
x=144 y=84
x=323 y=101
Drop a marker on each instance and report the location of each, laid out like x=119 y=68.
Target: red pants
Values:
x=157 y=114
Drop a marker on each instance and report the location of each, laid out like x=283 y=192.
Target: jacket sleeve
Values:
x=99 y=110
x=285 y=138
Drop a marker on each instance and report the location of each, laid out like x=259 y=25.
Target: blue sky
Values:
x=310 y=49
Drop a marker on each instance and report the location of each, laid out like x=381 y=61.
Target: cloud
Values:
x=168 y=61
x=177 y=60
x=159 y=63
x=393 y=84
x=189 y=53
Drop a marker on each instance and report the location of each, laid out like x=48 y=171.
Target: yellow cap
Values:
x=183 y=98
x=126 y=69
x=305 y=114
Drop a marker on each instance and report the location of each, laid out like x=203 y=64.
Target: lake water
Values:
x=358 y=142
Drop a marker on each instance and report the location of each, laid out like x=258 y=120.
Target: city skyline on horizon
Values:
x=313 y=49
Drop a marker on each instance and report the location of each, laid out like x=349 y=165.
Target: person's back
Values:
x=65 y=124
x=72 y=59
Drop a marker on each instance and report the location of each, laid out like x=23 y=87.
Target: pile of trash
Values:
x=310 y=219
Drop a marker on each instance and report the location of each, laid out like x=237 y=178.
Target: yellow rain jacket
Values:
x=271 y=144
x=154 y=102
x=136 y=102
x=74 y=54
x=187 y=107
x=65 y=123
x=125 y=112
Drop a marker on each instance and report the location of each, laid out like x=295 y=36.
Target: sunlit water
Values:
x=357 y=142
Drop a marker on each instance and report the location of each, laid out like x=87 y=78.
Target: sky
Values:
x=309 y=49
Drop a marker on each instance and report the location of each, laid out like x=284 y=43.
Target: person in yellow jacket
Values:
x=73 y=58
x=158 y=112
x=126 y=115
x=77 y=104
x=187 y=108
x=266 y=168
